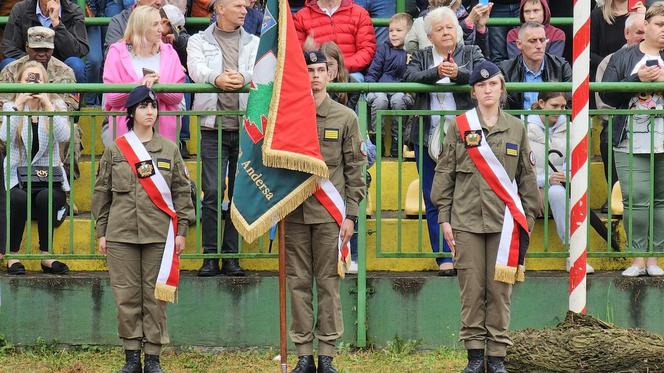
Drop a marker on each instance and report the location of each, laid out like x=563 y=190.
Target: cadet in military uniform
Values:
x=132 y=230
x=486 y=192
x=312 y=234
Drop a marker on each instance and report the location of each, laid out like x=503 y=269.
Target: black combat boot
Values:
x=475 y=362
x=325 y=364
x=231 y=267
x=495 y=364
x=132 y=362
x=209 y=268
x=305 y=364
x=152 y=364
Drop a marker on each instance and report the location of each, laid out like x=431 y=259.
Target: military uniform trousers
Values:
x=485 y=303
x=311 y=254
x=141 y=318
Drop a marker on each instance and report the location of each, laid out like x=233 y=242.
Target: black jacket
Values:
x=418 y=71
x=71 y=37
x=556 y=69
x=620 y=69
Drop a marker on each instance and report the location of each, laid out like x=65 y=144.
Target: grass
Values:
x=399 y=356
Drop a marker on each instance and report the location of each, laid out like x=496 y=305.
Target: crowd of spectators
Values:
x=432 y=42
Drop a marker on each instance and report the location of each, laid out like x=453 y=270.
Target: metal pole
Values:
x=362 y=247
x=282 y=298
x=401 y=6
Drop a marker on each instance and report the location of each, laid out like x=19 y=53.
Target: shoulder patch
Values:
x=532 y=158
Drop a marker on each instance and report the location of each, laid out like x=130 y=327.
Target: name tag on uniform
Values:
x=331 y=134
x=163 y=164
x=512 y=149
x=144 y=169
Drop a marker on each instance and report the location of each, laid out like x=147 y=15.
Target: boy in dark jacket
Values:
x=388 y=66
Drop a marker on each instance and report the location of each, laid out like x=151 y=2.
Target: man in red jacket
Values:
x=342 y=22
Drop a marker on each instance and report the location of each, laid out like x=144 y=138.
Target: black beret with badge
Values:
x=313 y=57
x=483 y=71
x=140 y=94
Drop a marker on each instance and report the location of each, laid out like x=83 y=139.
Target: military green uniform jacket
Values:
x=124 y=211
x=341 y=146
x=463 y=198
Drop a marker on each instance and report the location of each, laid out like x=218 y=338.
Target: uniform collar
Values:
x=500 y=126
x=154 y=145
x=324 y=107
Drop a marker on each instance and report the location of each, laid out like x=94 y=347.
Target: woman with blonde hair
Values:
x=34 y=140
x=141 y=58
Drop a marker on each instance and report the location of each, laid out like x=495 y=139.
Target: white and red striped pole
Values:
x=579 y=143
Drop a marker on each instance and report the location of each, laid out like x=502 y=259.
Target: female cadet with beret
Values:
x=486 y=192
x=141 y=202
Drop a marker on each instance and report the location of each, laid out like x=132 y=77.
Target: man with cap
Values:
x=312 y=234
x=39 y=47
x=223 y=55
x=63 y=17
x=487 y=197
x=133 y=232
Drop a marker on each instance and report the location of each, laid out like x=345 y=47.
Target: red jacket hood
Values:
x=545 y=5
x=314 y=4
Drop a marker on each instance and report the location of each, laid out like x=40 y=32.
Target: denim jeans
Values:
x=114 y=7
x=428 y=171
x=6 y=61
x=379 y=9
x=498 y=34
x=78 y=65
x=94 y=62
x=184 y=130
x=213 y=185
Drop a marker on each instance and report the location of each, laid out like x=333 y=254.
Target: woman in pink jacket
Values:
x=141 y=58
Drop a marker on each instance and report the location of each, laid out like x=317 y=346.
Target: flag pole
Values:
x=282 y=298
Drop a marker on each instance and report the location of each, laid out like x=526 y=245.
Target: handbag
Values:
x=39 y=176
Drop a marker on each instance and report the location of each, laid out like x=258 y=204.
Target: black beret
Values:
x=483 y=71
x=140 y=94
x=314 y=57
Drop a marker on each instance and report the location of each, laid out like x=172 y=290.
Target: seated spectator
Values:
x=180 y=4
x=379 y=9
x=39 y=47
x=63 y=17
x=21 y=153
x=636 y=141
x=118 y=24
x=533 y=65
x=254 y=19
x=607 y=30
x=142 y=58
x=388 y=66
x=115 y=7
x=556 y=126
x=473 y=25
x=537 y=11
x=336 y=68
x=343 y=22
x=447 y=61
x=95 y=58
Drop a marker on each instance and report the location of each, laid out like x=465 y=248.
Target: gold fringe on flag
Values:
x=250 y=232
x=164 y=292
x=505 y=274
x=521 y=273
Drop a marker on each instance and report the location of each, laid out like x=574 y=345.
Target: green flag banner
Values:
x=280 y=161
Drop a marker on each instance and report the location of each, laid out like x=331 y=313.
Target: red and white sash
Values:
x=160 y=194
x=508 y=268
x=328 y=196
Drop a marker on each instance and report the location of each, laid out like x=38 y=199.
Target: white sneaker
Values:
x=634 y=271
x=589 y=268
x=654 y=270
x=352 y=268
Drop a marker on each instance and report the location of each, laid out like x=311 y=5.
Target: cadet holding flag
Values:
x=313 y=233
x=487 y=197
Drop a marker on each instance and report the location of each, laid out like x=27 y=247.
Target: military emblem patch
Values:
x=473 y=138
x=532 y=158
x=313 y=57
x=484 y=73
x=144 y=169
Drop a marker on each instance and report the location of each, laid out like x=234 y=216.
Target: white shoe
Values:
x=634 y=271
x=654 y=270
x=589 y=268
x=352 y=268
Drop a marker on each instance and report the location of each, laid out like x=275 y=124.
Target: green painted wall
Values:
x=238 y=312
